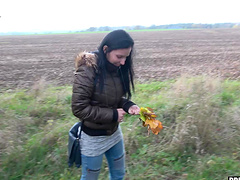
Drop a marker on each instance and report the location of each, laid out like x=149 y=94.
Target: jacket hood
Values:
x=86 y=58
x=90 y=59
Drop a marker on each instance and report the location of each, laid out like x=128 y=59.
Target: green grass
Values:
x=140 y=30
x=200 y=139
x=94 y=32
x=136 y=30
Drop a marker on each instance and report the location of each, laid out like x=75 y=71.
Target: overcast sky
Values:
x=50 y=15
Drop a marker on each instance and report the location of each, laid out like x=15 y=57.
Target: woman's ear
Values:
x=105 y=49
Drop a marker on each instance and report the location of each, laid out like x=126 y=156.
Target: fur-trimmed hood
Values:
x=86 y=58
x=90 y=59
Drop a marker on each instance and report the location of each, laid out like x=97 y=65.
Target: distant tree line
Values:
x=168 y=26
x=138 y=27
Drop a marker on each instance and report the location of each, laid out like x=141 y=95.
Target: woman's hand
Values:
x=121 y=113
x=134 y=110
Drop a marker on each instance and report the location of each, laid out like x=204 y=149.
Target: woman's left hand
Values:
x=134 y=110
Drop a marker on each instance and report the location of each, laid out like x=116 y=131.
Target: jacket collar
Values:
x=111 y=67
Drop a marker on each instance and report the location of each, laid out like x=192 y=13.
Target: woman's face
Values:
x=118 y=57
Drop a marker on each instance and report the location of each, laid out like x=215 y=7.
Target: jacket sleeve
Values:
x=83 y=87
x=126 y=104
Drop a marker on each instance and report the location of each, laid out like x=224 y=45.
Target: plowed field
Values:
x=159 y=55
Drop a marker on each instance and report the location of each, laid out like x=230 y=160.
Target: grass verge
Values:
x=200 y=139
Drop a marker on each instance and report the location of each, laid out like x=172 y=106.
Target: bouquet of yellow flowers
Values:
x=147 y=116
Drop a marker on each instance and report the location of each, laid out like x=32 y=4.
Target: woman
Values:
x=101 y=96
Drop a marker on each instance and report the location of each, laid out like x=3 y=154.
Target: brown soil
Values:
x=159 y=55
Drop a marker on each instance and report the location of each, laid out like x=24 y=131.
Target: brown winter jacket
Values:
x=98 y=109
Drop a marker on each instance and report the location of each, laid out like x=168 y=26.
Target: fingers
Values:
x=134 y=110
x=121 y=114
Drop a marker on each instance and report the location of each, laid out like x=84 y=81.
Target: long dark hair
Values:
x=118 y=39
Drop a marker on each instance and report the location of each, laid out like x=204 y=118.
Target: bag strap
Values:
x=80 y=132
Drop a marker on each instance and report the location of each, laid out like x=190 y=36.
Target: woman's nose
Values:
x=122 y=62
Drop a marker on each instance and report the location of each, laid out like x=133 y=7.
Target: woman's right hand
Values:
x=121 y=113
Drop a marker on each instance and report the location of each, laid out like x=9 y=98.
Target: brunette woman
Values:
x=101 y=96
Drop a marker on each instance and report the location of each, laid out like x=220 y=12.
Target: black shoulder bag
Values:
x=74 y=149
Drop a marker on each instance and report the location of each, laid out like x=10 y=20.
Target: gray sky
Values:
x=50 y=15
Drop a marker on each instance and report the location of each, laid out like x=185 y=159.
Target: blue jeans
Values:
x=91 y=166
